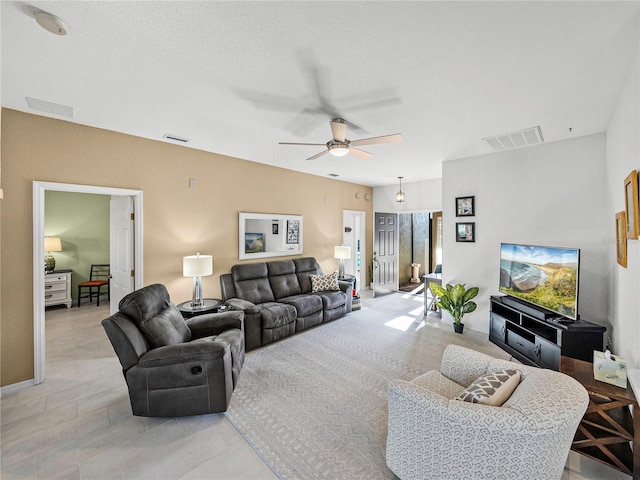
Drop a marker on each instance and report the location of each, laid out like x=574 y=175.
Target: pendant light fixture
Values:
x=400 y=194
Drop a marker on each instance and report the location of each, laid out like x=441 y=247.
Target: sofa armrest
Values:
x=463 y=365
x=244 y=305
x=215 y=323
x=404 y=394
x=183 y=353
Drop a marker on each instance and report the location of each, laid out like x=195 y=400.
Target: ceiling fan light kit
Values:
x=51 y=23
x=339 y=145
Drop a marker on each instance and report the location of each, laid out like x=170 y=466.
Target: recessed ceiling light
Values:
x=51 y=23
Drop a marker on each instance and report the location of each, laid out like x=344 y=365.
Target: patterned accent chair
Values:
x=433 y=436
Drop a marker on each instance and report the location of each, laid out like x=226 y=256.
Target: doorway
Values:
x=354 y=228
x=39 y=190
x=419 y=248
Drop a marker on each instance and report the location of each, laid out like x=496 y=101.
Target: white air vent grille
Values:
x=49 y=107
x=175 y=138
x=521 y=138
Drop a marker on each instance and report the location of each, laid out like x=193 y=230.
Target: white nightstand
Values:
x=57 y=288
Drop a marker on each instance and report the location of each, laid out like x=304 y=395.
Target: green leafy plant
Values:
x=455 y=299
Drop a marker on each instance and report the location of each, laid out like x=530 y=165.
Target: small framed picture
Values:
x=631 y=204
x=465 y=232
x=274 y=229
x=465 y=206
x=293 y=231
x=621 y=239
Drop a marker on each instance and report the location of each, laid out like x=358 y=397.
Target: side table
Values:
x=427 y=279
x=608 y=432
x=211 y=305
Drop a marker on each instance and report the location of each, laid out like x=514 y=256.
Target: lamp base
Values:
x=197 y=300
x=49 y=264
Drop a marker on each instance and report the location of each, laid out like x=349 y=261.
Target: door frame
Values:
x=39 y=190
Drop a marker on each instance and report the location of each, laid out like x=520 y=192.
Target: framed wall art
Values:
x=631 y=204
x=621 y=239
x=465 y=206
x=465 y=232
x=293 y=232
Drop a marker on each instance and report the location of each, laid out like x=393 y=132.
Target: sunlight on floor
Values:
x=403 y=322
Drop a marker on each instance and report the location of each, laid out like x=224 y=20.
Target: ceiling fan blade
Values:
x=338 y=129
x=356 y=152
x=296 y=143
x=396 y=137
x=318 y=155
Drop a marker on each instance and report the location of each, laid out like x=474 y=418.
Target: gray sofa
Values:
x=277 y=298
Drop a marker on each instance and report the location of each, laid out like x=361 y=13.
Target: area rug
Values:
x=314 y=406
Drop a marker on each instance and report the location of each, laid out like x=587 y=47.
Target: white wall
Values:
x=623 y=156
x=424 y=196
x=551 y=194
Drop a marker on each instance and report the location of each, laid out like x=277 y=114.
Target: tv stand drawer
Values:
x=521 y=344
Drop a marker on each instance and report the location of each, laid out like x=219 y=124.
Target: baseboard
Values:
x=14 y=387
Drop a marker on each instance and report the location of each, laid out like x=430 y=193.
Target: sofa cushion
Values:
x=305 y=305
x=283 y=279
x=492 y=389
x=276 y=314
x=325 y=283
x=159 y=320
x=305 y=267
x=331 y=300
x=252 y=283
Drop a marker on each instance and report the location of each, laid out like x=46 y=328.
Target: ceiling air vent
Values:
x=175 y=138
x=521 y=138
x=49 y=107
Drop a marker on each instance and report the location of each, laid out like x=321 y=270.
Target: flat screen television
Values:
x=544 y=276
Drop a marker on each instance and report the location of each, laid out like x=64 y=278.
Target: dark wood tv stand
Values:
x=535 y=337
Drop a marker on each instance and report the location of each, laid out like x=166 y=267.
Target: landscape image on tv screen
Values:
x=544 y=276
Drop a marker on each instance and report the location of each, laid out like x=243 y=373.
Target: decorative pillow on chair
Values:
x=325 y=283
x=491 y=389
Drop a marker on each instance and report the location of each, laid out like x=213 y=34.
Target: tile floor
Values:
x=78 y=424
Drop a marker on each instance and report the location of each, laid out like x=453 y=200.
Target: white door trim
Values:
x=39 y=189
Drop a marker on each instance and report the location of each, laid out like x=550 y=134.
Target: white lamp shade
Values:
x=52 y=244
x=197 y=265
x=342 y=252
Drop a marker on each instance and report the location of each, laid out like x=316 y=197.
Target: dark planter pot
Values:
x=458 y=327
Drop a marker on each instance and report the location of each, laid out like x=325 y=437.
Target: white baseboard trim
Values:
x=14 y=387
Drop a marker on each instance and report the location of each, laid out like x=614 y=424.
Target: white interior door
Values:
x=121 y=249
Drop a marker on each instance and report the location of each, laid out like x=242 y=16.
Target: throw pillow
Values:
x=491 y=389
x=325 y=283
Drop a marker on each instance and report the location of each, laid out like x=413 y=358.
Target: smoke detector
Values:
x=51 y=23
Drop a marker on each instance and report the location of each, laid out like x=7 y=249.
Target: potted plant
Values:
x=456 y=300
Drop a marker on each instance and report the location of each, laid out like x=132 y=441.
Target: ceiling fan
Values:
x=339 y=145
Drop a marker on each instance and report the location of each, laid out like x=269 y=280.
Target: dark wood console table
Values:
x=608 y=432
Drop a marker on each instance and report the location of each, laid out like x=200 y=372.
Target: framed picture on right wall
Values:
x=621 y=239
x=631 y=204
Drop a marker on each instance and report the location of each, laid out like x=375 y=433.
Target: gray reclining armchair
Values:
x=175 y=367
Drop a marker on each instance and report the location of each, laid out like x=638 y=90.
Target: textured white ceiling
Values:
x=236 y=78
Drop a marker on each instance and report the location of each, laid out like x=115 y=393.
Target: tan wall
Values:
x=177 y=221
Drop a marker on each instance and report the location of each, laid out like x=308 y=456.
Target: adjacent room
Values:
x=308 y=239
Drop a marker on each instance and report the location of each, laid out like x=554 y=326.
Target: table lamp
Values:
x=197 y=266
x=342 y=253
x=51 y=244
